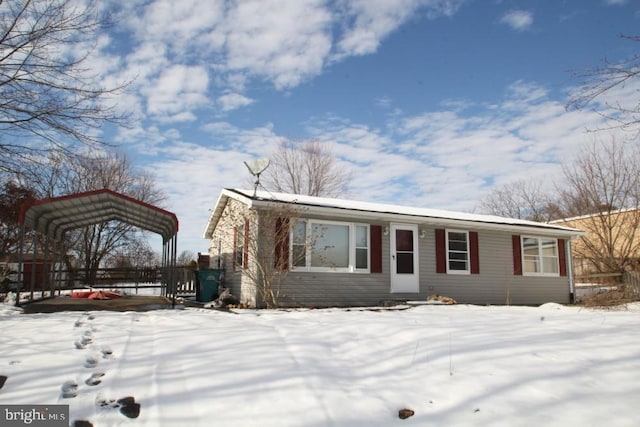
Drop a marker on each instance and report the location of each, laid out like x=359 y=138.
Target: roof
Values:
x=378 y=211
x=54 y=216
x=594 y=215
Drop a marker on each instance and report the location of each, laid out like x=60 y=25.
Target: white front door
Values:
x=404 y=258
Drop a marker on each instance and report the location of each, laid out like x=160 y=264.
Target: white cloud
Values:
x=519 y=20
x=283 y=44
x=449 y=158
x=256 y=142
x=232 y=101
x=383 y=102
x=251 y=40
x=181 y=26
x=367 y=22
x=177 y=90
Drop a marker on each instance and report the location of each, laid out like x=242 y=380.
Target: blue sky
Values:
x=428 y=103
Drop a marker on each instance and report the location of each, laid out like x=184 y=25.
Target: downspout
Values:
x=572 y=286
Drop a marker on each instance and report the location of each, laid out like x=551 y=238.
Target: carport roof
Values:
x=54 y=216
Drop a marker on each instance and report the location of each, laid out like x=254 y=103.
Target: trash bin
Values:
x=209 y=280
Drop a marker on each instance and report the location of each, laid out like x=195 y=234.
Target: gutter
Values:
x=417 y=219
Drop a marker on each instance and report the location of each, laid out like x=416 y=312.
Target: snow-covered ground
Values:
x=453 y=365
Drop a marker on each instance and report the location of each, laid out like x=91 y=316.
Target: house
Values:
x=610 y=244
x=336 y=252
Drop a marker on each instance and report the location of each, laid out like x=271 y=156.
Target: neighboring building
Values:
x=36 y=274
x=610 y=244
x=347 y=253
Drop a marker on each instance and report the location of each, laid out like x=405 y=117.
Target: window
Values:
x=457 y=252
x=362 y=247
x=540 y=256
x=330 y=246
x=239 y=249
x=299 y=244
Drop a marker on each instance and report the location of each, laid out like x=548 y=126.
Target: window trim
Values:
x=540 y=257
x=447 y=251
x=241 y=257
x=238 y=255
x=351 y=268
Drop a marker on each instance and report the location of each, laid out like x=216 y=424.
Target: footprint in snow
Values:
x=128 y=406
x=82 y=423
x=3 y=379
x=87 y=338
x=107 y=353
x=69 y=389
x=91 y=362
x=94 y=379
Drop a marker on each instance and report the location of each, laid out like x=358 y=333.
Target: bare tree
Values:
x=521 y=199
x=307 y=167
x=135 y=255
x=49 y=98
x=185 y=258
x=599 y=81
x=12 y=196
x=602 y=193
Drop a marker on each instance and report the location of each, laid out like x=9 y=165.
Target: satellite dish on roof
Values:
x=256 y=168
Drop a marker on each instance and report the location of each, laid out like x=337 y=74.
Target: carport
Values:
x=53 y=217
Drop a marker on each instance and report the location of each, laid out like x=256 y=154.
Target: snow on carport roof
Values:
x=54 y=216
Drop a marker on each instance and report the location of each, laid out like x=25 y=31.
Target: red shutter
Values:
x=376 y=248
x=245 y=247
x=517 y=255
x=281 y=255
x=562 y=257
x=473 y=249
x=441 y=255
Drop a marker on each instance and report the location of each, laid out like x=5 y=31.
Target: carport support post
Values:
x=54 y=264
x=64 y=273
x=173 y=270
x=20 y=280
x=56 y=269
x=33 y=267
x=44 y=268
x=165 y=280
